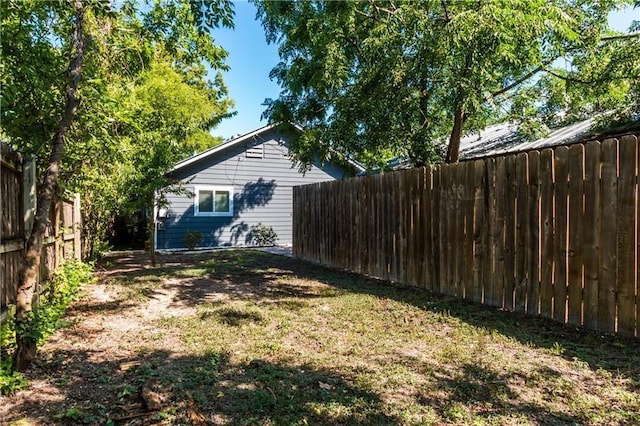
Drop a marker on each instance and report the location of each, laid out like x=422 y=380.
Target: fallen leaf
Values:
x=325 y=386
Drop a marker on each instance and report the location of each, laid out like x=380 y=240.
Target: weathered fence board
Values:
x=575 y=239
x=546 y=245
x=561 y=178
x=608 y=235
x=510 y=232
x=533 y=234
x=554 y=233
x=626 y=265
x=17 y=206
x=499 y=276
x=522 y=198
x=591 y=228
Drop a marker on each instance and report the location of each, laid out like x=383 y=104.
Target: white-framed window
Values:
x=213 y=200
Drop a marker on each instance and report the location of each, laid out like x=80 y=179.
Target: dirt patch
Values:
x=91 y=370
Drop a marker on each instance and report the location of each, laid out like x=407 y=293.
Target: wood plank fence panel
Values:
x=522 y=201
x=409 y=244
x=382 y=222
x=421 y=215
x=607 y=240
x=499 y=275
x=418 y=232
x=479 y=248
x=510 y=233
x=430 y=222
x=553 y=233
x=468 y=206
x=637 y=333
x=11 y=211
x=546 y=245
x=17 y=207
x=388 y=227
x=438 y=228
x=561 y=178
x=454 y=232
x=490 y=295
x=9 y=265
x=398 y=207
x=533 y=235
x=575 y=239
x=591 y=228
x=626 y=253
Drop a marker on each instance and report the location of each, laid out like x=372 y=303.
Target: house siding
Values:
x=263 y=194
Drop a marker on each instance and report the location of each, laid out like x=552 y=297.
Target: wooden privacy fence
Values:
x=552 y=233
x=17 y=209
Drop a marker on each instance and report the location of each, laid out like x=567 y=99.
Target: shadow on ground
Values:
x=197 y=390
x=251 y=274
x=615 y=354
x=214 y=390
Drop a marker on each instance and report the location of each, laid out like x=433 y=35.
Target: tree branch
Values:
x=366 y=15
x=620 y=36
x=567 y=78
x=518 y=82
x=446 y=11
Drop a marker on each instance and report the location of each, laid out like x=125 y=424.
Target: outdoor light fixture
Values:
x=163 y=213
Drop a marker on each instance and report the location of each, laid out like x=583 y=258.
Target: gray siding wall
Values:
x=263 y=194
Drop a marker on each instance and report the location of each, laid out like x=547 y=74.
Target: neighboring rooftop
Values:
x=504 y=138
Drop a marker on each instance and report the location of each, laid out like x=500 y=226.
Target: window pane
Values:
x=205 y=202
x=222 y=201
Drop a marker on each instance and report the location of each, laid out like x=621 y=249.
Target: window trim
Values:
x=214 y=189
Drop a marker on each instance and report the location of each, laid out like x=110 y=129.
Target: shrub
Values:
x=10 y=381
x=100 y=248
x=192 y=239
x=263 y=235
x=47 y=316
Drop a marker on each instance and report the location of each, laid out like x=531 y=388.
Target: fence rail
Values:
x=553 y=233
x=17 y=209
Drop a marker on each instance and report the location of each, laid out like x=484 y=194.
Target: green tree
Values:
x=601 y=80
x=151 y=103
x=169 y=119
x=380 y=78
x=77 y=75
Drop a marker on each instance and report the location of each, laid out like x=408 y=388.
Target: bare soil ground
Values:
x=243 y=337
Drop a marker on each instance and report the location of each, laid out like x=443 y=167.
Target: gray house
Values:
x=234 y=186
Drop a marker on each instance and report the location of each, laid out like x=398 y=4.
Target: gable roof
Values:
x=225 y=145
x=236 y=141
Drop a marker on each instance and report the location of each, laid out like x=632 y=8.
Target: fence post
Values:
x=29 y=197
x=77 y=228
x=58 y=236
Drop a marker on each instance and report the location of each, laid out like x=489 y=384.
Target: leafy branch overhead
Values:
x=377 y=79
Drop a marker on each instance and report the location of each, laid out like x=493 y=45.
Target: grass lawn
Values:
x=245 y=337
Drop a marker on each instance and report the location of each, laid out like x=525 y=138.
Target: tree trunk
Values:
x=28 y=274
x=151 y=229
x=453 y=151
x=459 y=115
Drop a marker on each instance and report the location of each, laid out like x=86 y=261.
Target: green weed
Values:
x=40 y=323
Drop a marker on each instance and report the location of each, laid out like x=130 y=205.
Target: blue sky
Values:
x=251 y=59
